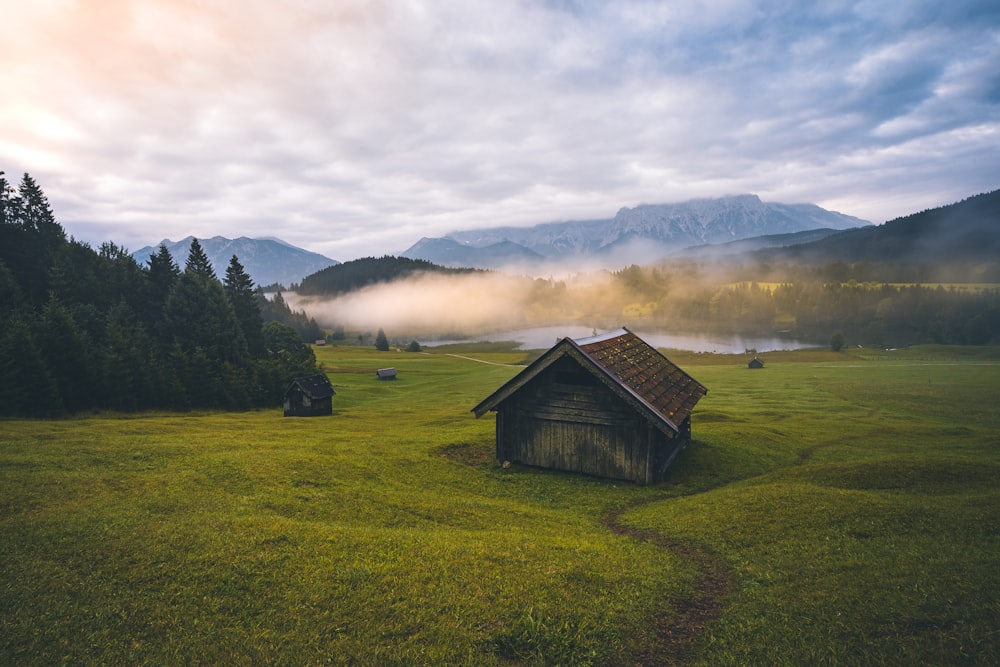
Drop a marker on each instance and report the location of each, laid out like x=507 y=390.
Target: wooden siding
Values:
x=310 y=396
x=298 y=404
x=578 y=427
x=609 y=405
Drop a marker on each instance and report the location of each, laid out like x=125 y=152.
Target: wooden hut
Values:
x=386 y=373
x=609 y=405
x=310 y=396
x=756 y=362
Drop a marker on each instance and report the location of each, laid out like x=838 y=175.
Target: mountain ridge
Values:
x=644 y=233
x=267 y=260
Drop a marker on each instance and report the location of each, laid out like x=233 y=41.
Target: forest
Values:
x=811 y=303
x=84 y=329
x=359 y=273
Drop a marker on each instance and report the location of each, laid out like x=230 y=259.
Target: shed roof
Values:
x=629 y=366
x=313 y=386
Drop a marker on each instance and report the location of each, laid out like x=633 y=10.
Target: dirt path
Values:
x=481 y=361
x=674 y=635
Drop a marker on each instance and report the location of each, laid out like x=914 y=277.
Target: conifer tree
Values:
x=198 y=263
x=162 y=273
x=381 y=342
x=10 y=204
x=26 y=386
x=198 y=314
x=36 y=214
x=129 y=374
x=240 y=292
x=71 y=357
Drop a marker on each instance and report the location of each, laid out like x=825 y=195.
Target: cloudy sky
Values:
x=355 y=127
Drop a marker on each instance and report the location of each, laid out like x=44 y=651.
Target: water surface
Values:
x=546 y=337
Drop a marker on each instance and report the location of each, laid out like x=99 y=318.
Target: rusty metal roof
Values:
x=629 y=365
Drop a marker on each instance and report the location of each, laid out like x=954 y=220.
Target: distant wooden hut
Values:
x=609 y=405
x=309 y=396
x=386 y=373
x=756 y=362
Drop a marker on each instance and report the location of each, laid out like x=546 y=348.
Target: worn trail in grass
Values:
x=675 y=631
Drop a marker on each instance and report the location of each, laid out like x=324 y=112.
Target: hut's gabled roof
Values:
x=629 y=366
x=313 y=386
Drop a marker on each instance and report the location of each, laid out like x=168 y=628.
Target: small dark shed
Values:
x=756 y=362
x=310 y=396
x=386 y=373
x=609 y=405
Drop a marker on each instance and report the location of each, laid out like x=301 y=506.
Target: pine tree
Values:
x=120 y=276
x=381 y=342
x=204 y=339
x=26 y=386
x=10 y=204
x=240 y=292
x=283 y=343
x=129 y=375
x=162 y=273
x=69 y=354
x=29 y=236
x=198 y=263
x=197 y=314
x=10 y=292
x=36 y=214
x=287 y=356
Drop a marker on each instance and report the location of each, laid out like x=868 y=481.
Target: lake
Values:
x=546 y=337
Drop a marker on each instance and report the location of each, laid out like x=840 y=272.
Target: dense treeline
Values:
x=82 y=329
x=955 y=243
x=359 y=273
x=812 y=304
x=276 y=309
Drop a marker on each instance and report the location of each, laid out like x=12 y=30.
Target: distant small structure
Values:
x=756 y=362
x=608 y=405
x=386 y=373
x=320 y=341
x=309 y=396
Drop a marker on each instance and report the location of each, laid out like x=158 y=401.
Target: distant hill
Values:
x=720 y=250
x=635 y=235
x=267 y=261
x=359 y=273
x=960 y=241
x=449 y=252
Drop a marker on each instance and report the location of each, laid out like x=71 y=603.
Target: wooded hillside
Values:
x=82 y=329
x=366 y=271
x=955 y=243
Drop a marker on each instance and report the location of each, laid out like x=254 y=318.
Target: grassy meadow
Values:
x=834 y=509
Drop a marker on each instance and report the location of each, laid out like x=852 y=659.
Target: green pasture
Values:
x=847 y=505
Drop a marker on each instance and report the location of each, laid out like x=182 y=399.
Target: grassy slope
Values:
x=855 y=501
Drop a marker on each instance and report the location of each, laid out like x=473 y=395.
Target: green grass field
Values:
x=834 y=509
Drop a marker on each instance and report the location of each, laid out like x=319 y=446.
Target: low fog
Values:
x=807 y=301
x=433 y=306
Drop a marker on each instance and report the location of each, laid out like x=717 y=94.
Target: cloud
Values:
x=354 y=128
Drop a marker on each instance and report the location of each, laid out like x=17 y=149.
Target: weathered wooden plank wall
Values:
x=580 y=427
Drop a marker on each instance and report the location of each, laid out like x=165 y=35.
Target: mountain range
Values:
x=635 y=235
x=266 y=260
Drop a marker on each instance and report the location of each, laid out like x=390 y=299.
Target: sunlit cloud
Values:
x=354 y=128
